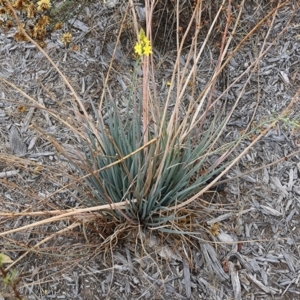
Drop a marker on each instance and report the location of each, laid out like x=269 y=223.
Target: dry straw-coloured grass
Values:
x=161 y=145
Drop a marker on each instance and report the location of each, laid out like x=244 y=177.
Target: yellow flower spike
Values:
x=143 y=46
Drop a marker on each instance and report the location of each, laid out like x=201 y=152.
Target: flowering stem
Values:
x=143 y=49
x=145 y=99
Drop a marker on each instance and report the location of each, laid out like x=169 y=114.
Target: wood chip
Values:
x=212 y=261
x=235 y=281
x=187 y=278
x=17 y=145
x=8 y=174
x=266 y=289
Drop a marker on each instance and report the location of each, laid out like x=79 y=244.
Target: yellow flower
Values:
x=66 y=38
x=143 y=47
x=138 y=49
x=147 y=50
x=43 y=5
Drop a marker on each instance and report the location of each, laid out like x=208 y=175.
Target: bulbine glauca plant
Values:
x=145 y=157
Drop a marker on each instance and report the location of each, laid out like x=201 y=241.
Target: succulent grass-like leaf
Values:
x=159 y=176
